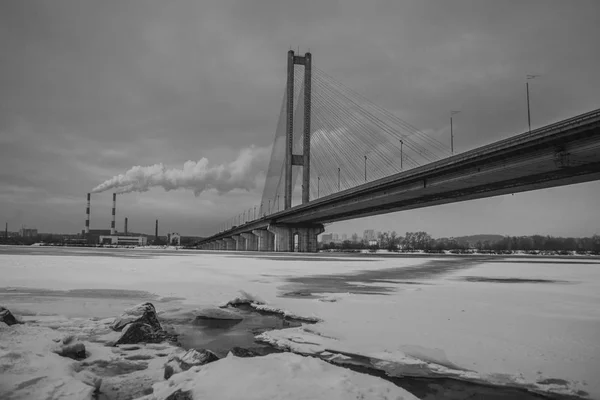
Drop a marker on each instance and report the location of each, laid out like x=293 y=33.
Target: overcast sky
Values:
x=89 y=89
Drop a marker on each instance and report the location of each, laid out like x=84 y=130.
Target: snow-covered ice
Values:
x=277 y=376
x=536 y=335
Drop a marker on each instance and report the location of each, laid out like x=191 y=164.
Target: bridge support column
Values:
x=283 y=237
x=265 y=240
x=307 y=238
x=301 y=238
x=229 y=244
x=251 y=241
x=219 y=244
x=240 y=242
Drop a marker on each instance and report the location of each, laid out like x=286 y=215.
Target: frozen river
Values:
x=532 y=322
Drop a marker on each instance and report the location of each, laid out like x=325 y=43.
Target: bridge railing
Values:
x=579 y=120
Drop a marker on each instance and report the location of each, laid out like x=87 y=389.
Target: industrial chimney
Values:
x=87 y=215
x=125 y=226
x=113 y=231
x=156 y=231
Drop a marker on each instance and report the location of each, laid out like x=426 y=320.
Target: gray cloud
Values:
x=90 y=88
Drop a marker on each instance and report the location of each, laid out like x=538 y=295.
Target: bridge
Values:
x=358 y=159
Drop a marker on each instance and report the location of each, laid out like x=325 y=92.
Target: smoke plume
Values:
x=196 y=176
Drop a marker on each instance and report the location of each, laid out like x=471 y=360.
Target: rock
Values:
x=144 y=313
x=180 y=395
x=138 y=332
x=75 y=350
x=190 y=359
x=7 y=317
x=241 y=352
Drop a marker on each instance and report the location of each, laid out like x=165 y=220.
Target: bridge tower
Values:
x=292 y=159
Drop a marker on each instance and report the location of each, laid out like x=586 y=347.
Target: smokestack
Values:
x=113 y=231
x=87 y=215
x=156 y=231
x=125 y=226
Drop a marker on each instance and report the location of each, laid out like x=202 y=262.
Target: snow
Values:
x=506 y=333
x=277 y=376
x=31 y=371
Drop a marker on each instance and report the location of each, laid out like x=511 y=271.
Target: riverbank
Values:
x=508 y=322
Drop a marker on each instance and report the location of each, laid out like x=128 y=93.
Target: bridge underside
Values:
x=531 y=171
x=561 y=154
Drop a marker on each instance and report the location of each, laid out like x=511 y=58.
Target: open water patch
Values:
x=381 y=281
x=510 y=280
x=222 y=335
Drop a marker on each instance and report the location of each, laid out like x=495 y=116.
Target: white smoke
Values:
x=196 y=176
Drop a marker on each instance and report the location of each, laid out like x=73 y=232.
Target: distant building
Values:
x=344 y=237
x=368 y=235
x=28 y=232
x=335 y=237
x=327 y=238
x=124 y=240
x=174 y=239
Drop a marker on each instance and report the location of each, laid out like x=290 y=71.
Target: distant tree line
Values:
x=423 y=241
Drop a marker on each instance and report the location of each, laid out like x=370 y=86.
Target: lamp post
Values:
x=365 y=168
x=452 y=131
x=401 y=154
x=318 y=186
x=529 y=77
x=339 y=179
x=269 y=209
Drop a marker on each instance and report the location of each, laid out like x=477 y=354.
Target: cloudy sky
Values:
x=89 y=89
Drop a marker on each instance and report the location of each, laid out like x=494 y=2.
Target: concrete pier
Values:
x=265 y=239
x=240 y=242
x=301 y=238
x=251 y=241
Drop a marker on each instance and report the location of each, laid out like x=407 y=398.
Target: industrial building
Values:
x=117 y=240
x=111 y=236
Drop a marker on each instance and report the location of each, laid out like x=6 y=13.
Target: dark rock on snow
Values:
x=7 y=317
x=143 y=313
x=241 y=352
x=191 y=358
x=138 y=332
x=180 y=395
x=69 y=347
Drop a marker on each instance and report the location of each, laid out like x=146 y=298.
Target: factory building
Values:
x=110 y=236
x=174 y=239
x=117 y=240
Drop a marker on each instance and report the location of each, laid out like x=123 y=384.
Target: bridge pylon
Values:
x=292 y=159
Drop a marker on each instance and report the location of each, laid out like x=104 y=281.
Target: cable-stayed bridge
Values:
x=338 y=156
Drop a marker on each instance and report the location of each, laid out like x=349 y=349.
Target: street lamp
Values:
x=365 y=168
x=529 y=77
x=338 y=179
x=401 y=154
x=452 y=131
x=318 y=186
